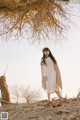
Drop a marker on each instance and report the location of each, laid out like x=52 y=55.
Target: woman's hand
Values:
x=45 y=78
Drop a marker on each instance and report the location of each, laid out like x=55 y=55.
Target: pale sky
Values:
x=23 y=60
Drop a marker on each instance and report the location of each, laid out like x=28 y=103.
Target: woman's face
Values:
x=46 y=53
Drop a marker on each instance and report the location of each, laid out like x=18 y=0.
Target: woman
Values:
x=51 y=78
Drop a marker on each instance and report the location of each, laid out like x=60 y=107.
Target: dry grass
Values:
x=68 y=109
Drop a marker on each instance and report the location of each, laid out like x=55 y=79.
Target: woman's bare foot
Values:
x=61 y=98
x=59 y=95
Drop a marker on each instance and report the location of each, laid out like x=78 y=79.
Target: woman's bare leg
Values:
x=59 y=94
x=48 y=94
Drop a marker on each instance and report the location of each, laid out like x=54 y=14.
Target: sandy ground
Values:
x=68 y=109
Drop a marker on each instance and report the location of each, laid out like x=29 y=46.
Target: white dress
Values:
x=50 y=72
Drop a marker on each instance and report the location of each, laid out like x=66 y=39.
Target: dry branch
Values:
x=17 y=17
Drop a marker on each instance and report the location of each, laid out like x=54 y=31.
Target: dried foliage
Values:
x=36 y=17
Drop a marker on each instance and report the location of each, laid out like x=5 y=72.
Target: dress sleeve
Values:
x=43 y=69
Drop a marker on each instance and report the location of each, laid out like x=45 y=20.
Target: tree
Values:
x=15 y=93
x=30 y=95
x=38 y=17
x=24 y=94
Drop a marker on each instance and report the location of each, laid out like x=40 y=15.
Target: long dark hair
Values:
x=50 y=55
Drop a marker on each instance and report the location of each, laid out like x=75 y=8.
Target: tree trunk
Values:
x=4 y=91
